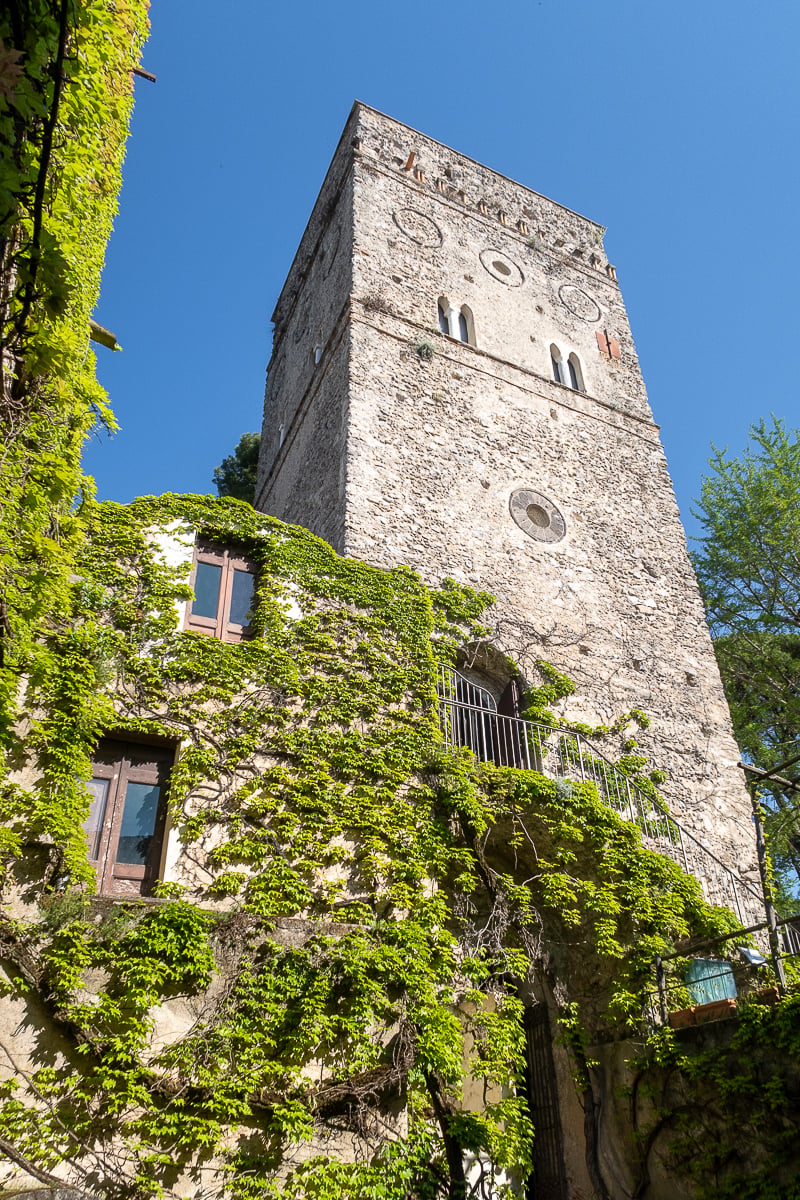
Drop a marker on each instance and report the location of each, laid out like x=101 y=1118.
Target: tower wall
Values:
x=434 y=448
x=301 y=475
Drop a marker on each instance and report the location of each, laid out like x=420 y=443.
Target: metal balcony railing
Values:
x=469 y=718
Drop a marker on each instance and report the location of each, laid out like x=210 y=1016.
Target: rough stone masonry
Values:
x=454 y=386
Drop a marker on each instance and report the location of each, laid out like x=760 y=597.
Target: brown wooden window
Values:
x=125 y=826
x=224 y=586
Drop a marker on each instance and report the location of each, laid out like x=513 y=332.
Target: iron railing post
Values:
x=763 y=867
x=580 y=758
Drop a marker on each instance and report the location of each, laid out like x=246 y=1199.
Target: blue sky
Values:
x=674 y=125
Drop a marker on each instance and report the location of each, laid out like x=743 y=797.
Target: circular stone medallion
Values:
x=579 y=303
x=419 y=228
x=537 y=516
x=502 y=268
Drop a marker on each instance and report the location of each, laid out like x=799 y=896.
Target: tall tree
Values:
x=749 y=572
x=236 y=474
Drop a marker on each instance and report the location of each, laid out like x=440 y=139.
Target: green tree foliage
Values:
x=236 y=474
x=749 y=572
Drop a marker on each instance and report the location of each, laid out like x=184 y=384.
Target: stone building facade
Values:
x=454 y=386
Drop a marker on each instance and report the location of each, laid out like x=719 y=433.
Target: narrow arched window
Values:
x=558 y=366
x=443 y=325
x=466 y=325
x=575 y=373
x=463 y=328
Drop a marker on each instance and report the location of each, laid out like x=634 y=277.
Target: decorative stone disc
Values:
x=418 y=227
x=502 y=268
x=579 y=303
x=537 y=515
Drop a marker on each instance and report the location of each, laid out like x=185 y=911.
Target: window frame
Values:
x=575 y=372
x=466 y=326
x=567 y=368
x=456 y=323
x=119 y=762
x=230 y=561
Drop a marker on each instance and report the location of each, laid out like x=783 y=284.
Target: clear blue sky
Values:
x=676 y=125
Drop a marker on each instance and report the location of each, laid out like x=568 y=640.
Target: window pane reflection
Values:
x=138 y=823
x=241 y=597
x=98 y=790
x=206 y=590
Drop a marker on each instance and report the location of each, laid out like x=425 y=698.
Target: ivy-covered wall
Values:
x=326 y=996
x=65 y=101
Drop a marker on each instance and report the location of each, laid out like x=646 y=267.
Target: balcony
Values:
x=470 y=718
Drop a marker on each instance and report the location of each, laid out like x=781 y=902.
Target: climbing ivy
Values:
x=355 y=918
x=65 y=99
x=721 y=1103
x=351 y=905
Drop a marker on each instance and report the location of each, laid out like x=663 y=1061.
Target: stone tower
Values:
x=454 y=386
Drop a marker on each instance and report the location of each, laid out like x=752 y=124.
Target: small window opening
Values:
x=558 y=367
x=224 y=589
x=575 y=373
x=466 y=325
x=463 y=330
x=569 y=371
x=456 y=323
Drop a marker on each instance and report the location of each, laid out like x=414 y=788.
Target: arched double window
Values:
x=456 y=322
x=567 y=370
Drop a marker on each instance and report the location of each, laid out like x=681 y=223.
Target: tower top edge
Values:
x=361 y=119
x=361 y=106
